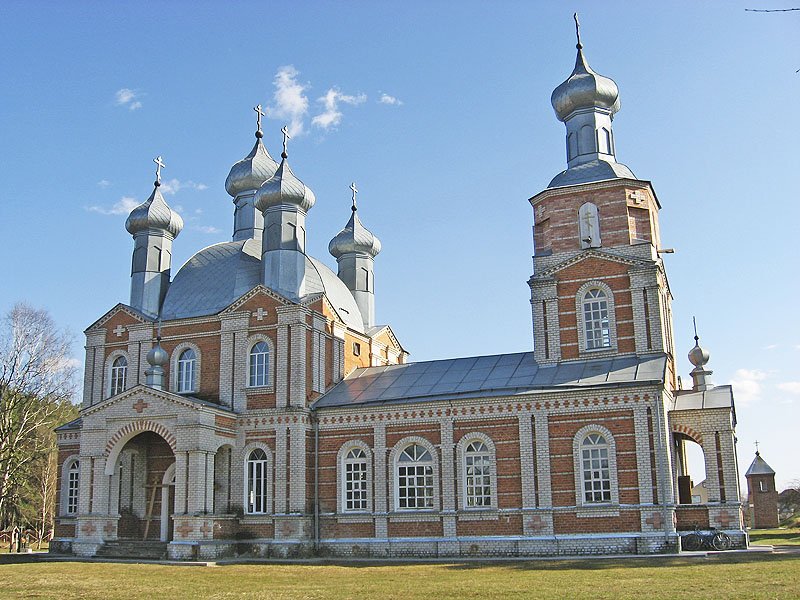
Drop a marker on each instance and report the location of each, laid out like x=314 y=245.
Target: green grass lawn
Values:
x=785 y=536
x=720 y=576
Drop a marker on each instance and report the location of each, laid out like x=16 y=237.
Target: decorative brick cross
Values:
x=140 y=405
x=185 y=528
x=636 y=196
x=109 y=528
x=259 y=314
x=88 y=528
x=206 y=529
x=536 y=523
x=540 y=212
x=655 y=519
x=725 y=519
x=119 y=330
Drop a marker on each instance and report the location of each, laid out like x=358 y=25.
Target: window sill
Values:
x=412 y=515
x=255 y=519
x=354 y=517
x=259 y=389
x=478 y=514
x=597 y=510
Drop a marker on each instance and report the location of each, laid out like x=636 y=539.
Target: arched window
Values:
x=595 y=469
x=595 y=320
x=72 y=476
x=186 y=370
x=414 y=478
x=259 y=364
x=355 y=481
x=257 y=480
x=477 y=475
x=119 y=375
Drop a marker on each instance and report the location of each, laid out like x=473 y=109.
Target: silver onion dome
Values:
x=157 y=357
x=284 y=188
x=698 y=356
x=154 y=213
x=253 y=170
x=584 y=89
x=354 y=238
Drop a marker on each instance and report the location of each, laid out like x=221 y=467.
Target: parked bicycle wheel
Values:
x=721 y=541
x=691 y=541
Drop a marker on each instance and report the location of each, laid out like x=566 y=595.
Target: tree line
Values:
x=37 y=387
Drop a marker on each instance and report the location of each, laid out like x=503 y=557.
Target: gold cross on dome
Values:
x=159 y=165
x=260 y=112
x=286 y=137
x=577 y=30
x=355 y=191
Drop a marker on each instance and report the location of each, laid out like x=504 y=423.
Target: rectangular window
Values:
x=355 y=483
x=72 y=491
x=415 y=487
x=596 y=475
x=478 y=481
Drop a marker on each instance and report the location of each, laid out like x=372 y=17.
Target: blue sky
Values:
x=440 y=112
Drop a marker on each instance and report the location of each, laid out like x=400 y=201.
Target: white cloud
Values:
x=129 y=98
x=747 y=385
x=771 y=347
x=172 y=186
x=125 y=205
x=391 y=100
x=791 y=387
x=103 y=183
x=206 y=228
x=290 y=102
x=332 y=116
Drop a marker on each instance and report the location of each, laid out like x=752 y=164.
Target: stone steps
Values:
x=133 y=549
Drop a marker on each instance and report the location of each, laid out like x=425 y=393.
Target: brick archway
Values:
x=688 y=432
x=117 y=441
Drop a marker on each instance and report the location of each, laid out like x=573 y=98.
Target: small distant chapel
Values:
x=252 y=405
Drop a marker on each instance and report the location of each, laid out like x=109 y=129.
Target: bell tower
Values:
x=599 y=287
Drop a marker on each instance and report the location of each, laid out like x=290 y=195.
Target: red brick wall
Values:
x=568 y=522
x=415 y=529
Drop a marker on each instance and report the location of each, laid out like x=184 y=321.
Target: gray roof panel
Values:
x=497 y=375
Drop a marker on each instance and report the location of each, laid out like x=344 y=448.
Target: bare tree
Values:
x=36 y=381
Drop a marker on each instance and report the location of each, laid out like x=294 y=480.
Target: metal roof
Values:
x=720 y=396
x=74 y=424
x=594 y=170
x=486 y=376
x=218 y=275
x=759 y=467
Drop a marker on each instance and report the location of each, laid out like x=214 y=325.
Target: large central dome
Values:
x=218 y=275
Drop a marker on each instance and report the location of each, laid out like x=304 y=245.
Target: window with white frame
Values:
x=477 y=475
x=187 y=363
x=596 y=323
x=259 y=364
x=595 y=469
x=414 y=478
x=355 y=481
x=72 y=476
x=119 y=375
x=257 y=480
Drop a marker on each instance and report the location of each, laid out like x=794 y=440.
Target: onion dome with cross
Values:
x=584 y=88
x=284 y=187
x=154 y=213
x=354 y=237
x=254 y=169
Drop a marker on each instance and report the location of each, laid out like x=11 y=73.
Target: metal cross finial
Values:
x=286 y=138
x=694 y=322
x=757 y=442
x=260 y=113
x=577 y=30
x=159 y=165
x=355 y=191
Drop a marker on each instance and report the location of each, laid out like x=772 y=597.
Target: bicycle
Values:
x=711 y=539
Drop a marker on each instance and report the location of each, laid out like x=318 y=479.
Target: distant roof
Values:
x=759 y=467
x=74 y=424
x=482 y=376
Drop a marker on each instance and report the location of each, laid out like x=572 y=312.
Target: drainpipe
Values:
x=315 y=424
x=660 y=463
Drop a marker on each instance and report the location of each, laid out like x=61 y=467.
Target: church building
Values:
x=250 y=405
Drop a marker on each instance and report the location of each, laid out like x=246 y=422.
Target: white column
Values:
x=526 y=460
x=381 y=496
x=280 y=470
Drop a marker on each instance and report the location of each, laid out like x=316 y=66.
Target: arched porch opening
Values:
x=144 y=477
x=690 y=466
